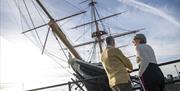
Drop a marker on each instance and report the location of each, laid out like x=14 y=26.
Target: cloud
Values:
x=161 y=34
x=149 y=9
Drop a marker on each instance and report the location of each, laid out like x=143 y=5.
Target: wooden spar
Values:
x=44 y=9
x=98 y=20
x=57 y=30
x=55 y=21
x=114 y=36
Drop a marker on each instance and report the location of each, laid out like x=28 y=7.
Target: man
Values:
x=116 y=65
x=150 y=74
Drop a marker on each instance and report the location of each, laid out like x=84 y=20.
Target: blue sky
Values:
x=161 y=18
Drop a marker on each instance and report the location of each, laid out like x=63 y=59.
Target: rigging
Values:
x=32 y=22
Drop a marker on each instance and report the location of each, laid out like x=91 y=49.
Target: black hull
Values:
x=86 y=70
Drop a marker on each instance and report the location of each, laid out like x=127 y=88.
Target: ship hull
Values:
x=93 y=76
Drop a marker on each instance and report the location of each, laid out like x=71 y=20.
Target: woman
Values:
x=150 y=74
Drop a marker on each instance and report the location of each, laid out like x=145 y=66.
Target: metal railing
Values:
x=97 y=77
x=68 y=83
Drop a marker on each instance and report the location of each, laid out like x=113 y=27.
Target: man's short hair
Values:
x=110 y=40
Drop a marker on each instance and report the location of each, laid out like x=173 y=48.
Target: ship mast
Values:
x=57 y=30
x=97 y=33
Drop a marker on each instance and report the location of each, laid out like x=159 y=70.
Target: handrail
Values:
x=67 y=83
x=96 y=77
x=161 y=64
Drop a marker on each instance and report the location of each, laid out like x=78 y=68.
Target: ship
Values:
x=89 y=75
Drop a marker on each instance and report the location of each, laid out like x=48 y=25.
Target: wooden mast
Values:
x=57 y=30
x=98 y=32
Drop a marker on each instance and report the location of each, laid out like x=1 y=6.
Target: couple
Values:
x=117 y=65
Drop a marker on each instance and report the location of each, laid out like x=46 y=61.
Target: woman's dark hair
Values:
x=141 y=37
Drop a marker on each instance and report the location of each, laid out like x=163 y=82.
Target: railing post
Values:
x=69 y=86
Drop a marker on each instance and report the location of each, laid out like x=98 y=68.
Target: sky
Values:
x=23 y=66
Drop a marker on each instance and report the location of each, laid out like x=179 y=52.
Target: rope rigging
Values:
x=21 y=14
x=22 y=17
x=38 y=11
x=82 y=35
x=73 y=5
x=104 y=29
x=32 y=22
x=14 y=12
x=60 y=45
x=107 y=24
x=92 y=52
x=45 y=40
x=50 y=55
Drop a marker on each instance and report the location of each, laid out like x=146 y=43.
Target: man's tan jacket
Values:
x=116 y=65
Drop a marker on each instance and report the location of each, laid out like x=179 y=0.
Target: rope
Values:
x=21 y=15
x=66 y=21
x=45 y=40
x=116 y=27
x=111 y=12
x=73 y=5
x=100 y=20
x=32 y=22
x=38 y=11
x=94 y=52
x=92 y=20
x=15 y=20
x=50 y=54
x=25 y=20
x=88 y=59
x=60 y=46
x=98 y=5
x=81 y=35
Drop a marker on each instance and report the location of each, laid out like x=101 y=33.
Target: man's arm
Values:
x=124 y=59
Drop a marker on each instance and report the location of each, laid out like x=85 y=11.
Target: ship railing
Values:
x=133 y=79
x=69 y=83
